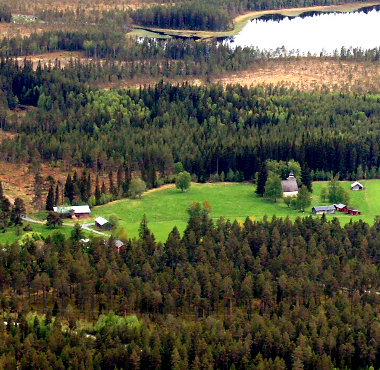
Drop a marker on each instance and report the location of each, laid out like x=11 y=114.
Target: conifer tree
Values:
x=112 y=189
x=97 y=190
x=69 y=188
x=50 y=199
x=104 y=189
x=261 y=180
x=1 y=191
x=306 y=179
x=56 y=198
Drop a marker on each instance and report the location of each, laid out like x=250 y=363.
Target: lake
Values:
x=324 y=32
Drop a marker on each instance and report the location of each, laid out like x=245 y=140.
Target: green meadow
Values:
x=166 y=207
x=10 y=236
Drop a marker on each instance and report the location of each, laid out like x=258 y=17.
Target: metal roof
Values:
x=62 y=209
x=76 y=209
x=324 y=208
x=340 y=205
x=101 y=221
x=81 y=209
x=356 y=183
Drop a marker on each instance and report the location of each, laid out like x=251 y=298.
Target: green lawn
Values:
x=166 y=208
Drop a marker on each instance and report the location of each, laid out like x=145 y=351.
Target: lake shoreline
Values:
x=241 y=20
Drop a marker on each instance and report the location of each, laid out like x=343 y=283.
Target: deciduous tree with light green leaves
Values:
x=273 y=188
x=336 y=192
x=183 y=181
x=136 y=188
x=303 y=199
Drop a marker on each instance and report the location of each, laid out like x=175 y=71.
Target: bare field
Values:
x=301 y=73
x=64 y=57
x=311 y=73
x=305 y=73
x=64 y=5
x=17 y=181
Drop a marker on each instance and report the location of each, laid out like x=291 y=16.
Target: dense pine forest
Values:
x=208 y=129
x=268 y=294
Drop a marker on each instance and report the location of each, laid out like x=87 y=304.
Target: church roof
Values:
x=290 y=184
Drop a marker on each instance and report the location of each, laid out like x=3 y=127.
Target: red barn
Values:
x=349 y=210
x=341 y=207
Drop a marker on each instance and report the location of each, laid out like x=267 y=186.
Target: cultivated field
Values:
x=166 y=207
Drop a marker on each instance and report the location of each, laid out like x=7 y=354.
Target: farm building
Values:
x=323 y=210
x=114 y=243
x=357 y=186
x=289 y=186
x=69 y=211
x=340 y=207
x=354 y=212
x=81 y=211
x=102 y=223
x=349 y=210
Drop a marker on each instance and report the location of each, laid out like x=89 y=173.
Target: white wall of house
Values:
x=290 y=193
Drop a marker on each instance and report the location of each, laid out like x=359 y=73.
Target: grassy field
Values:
x=10 y=236
x=166 y=207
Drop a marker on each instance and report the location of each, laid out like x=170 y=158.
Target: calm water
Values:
x=325 y=32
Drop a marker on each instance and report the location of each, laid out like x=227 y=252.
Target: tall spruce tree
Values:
x=306 y=179
x=261 y=180
x=97 y=190
x=50 y=199
x=1 y=191
x=69 y=188
x=56 y=198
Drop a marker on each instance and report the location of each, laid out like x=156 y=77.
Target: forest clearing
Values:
x=304 y=73
x=166 y=208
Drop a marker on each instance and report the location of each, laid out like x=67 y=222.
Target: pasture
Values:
x=11 y=235
x=166 y=207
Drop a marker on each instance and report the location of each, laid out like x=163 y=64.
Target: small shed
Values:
x=114 y=243
x=102 y=223
x=289 y=186
x=357 y=186
x=320 y=210
x=340 y=207
x=354 y=212
x=118 y=244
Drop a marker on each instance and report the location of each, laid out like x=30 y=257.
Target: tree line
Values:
x=193 y=16
x=213 y=15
